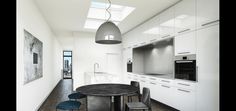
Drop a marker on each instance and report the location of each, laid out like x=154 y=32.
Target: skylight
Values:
x=97 y=14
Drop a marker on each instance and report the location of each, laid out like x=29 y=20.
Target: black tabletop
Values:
x=107 y=89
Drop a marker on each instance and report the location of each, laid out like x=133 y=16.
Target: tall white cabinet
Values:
x=207 y=12
x=185 y=16
x=208 y=69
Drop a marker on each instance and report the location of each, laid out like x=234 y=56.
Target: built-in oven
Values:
x=185 y=67
x=129 y=65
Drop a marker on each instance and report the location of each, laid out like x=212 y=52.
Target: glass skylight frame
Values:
x=97 y=14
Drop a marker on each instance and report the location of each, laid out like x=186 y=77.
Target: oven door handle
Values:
x=183 y=61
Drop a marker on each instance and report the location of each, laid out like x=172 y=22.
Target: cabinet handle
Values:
x=183 y=61
x=165 y=86
x=135 y=45
x=135 y=79
x=152 y=83
x=183 y=30
x=152 y=78
x=208 y=23
x=165 y=81
x=153 y=40
x=183 y=84
x=165 y=36
x=183 y=90
x=196 y=73
x=183 y=52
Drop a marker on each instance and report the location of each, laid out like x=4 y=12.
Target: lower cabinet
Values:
x=165 y=94
x=178 y=94
x=183 y=99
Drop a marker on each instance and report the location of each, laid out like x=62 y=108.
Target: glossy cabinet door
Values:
x=208 y=69
x=207 y=12
x=185 y=16
x=185 y=44
x=184 y=99
x=151 y=30
x=167 y=23
x=143 y=83
x=165 y=94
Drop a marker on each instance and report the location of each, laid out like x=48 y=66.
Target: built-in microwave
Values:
x=185 y=67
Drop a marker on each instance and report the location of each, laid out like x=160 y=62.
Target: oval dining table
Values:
x=99 y=96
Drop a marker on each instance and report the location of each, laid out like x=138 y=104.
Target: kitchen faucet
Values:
x=94 y=66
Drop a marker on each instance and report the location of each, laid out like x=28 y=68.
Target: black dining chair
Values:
x=137 y=94
x=145 y=103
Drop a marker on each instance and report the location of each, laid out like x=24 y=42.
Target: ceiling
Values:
x=70 y=15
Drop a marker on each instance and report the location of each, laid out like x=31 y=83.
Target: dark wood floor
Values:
x=64 y=88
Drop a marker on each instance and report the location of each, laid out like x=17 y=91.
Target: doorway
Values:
x=67 y=64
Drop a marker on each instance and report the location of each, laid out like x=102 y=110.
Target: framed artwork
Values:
x=33 y=58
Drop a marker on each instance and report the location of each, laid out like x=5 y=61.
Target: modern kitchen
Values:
x=116 y=55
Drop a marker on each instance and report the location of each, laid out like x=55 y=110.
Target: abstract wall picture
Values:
x=33 y=58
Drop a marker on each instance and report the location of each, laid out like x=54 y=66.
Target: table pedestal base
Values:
x=99 y=103
x=118 y=103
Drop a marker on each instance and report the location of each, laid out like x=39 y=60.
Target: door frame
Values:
x=63 y=64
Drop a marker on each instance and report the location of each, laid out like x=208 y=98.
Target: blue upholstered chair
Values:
x=68 y=105
x=76 y=96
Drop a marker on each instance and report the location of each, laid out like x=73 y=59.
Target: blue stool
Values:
x=68 y=105
x=76 y=96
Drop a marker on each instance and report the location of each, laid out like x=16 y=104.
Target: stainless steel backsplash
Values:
x=158 y=59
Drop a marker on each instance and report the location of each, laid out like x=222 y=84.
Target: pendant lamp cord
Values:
x=108 y=10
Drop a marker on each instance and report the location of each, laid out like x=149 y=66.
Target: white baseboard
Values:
x=47 y=96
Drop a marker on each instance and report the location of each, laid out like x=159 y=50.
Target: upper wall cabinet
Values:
x=185 y=16
x=185 y=44
x=151 y=30
x=207 y=12
x=167 y=23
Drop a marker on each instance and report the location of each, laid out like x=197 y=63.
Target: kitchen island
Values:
x=100 y=77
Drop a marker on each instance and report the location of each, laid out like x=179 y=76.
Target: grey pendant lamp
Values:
x=108 y=32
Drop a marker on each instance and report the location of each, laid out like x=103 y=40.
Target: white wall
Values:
x=31 y=95
x=86 y=52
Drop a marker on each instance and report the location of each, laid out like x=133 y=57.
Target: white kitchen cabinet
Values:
x=151 y=30
x=185 y=16
x=208 y=69
x=167 y=23
x=127 y=55
x=184 y=99
x=143 y=82
x=207 y=13
x=129 y=78
x=165 y=94
x=185 y=44
x=189 y=85
x=154 y=90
